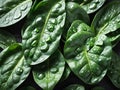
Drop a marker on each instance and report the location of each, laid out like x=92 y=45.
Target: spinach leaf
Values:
x=42 y=33
x=87 y=55
x=12 y=11
x=89 y=6
x=48 y=73
x=6 y=39
x=114 y=70
x=107 y=21
x=75 y=87
x=73 y=12
x=13 y=67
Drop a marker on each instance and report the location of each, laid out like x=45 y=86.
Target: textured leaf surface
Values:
x=107 y=21
x=89 y=6
x=13 y=67
x=73 y=12
x=114 y=70
x=12 y=11
x=43 y=31
x=6 y=39
x=87 y=56
x=48 y=73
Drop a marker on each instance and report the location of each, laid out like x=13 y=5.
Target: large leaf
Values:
x=107 y=21
x=12 y=11
x=48 y=73
x=13 y=67
x=87 y=56
x=6 y=39
x=89 y=6
x=43 y=31
x=114 y=70
x=75 y=87
x=73 y=12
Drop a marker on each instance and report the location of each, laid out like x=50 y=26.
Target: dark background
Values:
x=72 y=79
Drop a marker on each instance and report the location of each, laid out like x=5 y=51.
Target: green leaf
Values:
x=12 y=11
x=107 y=21
x=87 y=56
x=89 y=6
x=48 y=73
x=73 y=12
x=75 y=87
x=42 y=33
x=114 y=70
x=6 y=39
x=13 y=67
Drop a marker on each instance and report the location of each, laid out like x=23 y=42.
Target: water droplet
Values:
x=50 y=28
x=48 y=39
x=44 y=47
x=26 y=52
x=24 y=7
x=34 y=43
x=54 y=70
x=19 y=71
x=36 y=30
x=38 y=19
x=10 y=83
x=59 y=5
x=93 y=6
x=79 y=50
x=41 y=76
x=16 y=78
x=17 y=14
x=7 y=20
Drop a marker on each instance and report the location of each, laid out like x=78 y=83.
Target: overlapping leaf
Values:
x=12 y=11
x=42 y=33
x=13 y=67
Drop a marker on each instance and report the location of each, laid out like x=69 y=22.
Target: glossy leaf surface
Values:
x=6 y=39
x=87 y=56
x=114 y=70
x=75 y=87
x=13 y=67
x=73 y=12
x=43 y=31
x=107 y=21
x=12 y=11
x=48 y=73
x=89 y=6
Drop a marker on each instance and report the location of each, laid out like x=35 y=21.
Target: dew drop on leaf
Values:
x=54 y=70
x=19 y=71
x=17 y=14
x=41 y=76
x=93 y=6
x=24 y=7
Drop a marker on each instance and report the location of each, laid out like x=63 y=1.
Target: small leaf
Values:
x=42 y=33
x=6 y=39
x=48 y=73
x=13 y=67
x=12 y=11
x=75 y=87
